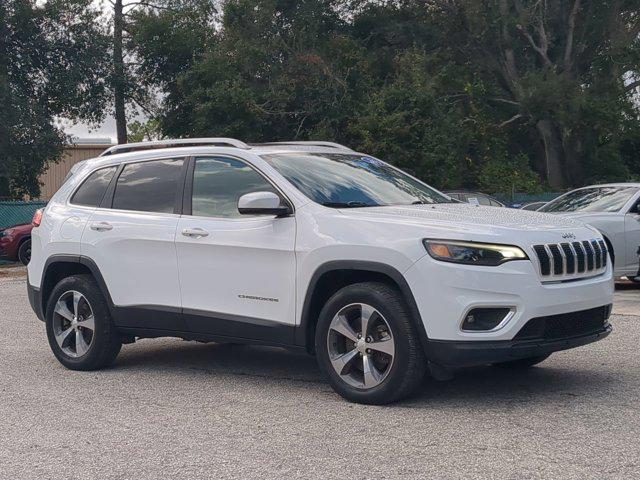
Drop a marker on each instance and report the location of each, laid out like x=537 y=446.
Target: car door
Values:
x=131 y=239
x=632 y=238
x=237 y=272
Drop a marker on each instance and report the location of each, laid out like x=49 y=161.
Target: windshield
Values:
x=349 y=180
x=595 y=199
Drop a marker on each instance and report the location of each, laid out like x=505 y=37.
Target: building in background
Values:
x=82 y=149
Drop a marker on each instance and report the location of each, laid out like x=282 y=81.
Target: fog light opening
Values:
x=486 y=318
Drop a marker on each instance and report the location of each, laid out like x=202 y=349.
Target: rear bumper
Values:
x=455 y=354
x=35 y=300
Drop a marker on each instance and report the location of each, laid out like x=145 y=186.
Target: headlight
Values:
x=6 y=233
x=472 y=253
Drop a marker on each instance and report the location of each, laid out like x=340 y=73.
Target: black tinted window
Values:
x=148 y=186
x=92 y=190
x=218 y=183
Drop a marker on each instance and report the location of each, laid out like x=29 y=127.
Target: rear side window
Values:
x=94 y=187
x=148 y=186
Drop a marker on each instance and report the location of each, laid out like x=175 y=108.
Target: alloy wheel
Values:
x=73 y=324
x=360 y=345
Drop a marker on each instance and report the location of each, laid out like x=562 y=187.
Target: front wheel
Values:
x=79 y=327
x=366 y=344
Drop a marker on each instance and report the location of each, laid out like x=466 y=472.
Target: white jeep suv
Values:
x=313 y=246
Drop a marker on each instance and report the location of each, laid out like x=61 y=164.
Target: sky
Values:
x=80 y=130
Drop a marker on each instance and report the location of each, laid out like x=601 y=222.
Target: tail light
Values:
x=37 y=217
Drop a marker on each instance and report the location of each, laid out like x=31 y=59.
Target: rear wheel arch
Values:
x=59 y=267
x=332 y=276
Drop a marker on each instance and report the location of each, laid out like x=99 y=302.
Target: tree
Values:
x=119 y=79
x=135 y=76
x=52 y=64
x=141 y=132
x=561 y=67
x=464 y=93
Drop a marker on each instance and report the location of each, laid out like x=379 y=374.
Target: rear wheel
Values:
x=523 y=362
x=366 y=344
x=24 y=252
x=79 y=327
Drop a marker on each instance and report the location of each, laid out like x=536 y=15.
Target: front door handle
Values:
x=194 y=232
x=101 y=226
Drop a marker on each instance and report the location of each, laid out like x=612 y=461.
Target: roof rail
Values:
x=181 y=142
x=309 y=143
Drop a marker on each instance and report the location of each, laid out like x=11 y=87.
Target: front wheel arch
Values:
x=334 y=275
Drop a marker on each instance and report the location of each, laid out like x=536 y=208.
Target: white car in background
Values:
x=614 y=209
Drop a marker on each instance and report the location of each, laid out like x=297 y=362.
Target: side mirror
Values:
x=262 y=203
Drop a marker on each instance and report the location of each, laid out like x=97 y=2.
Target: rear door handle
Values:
x=101 y=226
x=195 y=232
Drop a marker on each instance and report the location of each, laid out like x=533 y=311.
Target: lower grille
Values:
x=560 y=259
x=566 y=325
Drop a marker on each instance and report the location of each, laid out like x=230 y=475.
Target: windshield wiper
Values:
x=347 y=204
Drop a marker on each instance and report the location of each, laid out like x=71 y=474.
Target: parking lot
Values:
x=171 y=408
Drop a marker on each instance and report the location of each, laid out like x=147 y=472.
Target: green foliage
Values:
x=52 y=63
x=496 y=96
x=491 y=95
x=143 y=131
x=508 y=175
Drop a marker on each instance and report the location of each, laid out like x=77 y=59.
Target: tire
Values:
x=395 y=369
x=24 y=252
x=96 y=348
x=523 y=363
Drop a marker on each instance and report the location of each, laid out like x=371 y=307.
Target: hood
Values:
x=466 y=215
x=584 y=215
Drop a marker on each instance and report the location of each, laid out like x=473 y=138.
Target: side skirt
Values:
x=147 y=321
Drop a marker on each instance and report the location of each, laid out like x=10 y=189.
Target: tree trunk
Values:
x=553 y=153
x=574 y=158
x=118 y=73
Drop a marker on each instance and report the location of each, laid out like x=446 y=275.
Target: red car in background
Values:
x=15 y=243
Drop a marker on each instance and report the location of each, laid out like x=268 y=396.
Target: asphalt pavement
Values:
x=176 y=409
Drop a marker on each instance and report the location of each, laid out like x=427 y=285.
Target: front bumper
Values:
x=467 y=354
x=446 y=292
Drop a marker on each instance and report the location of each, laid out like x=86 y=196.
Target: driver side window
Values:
x=219 y=182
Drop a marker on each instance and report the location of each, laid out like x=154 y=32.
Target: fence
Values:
x=17 y=212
